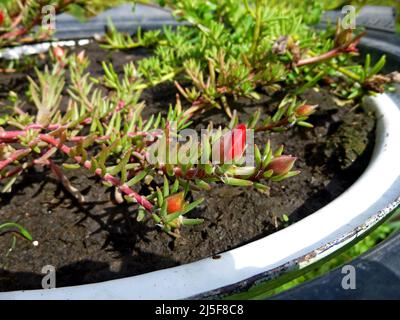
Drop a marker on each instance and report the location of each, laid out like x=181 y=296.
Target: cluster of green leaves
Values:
x=231 y=49
x=117 y=40
x=103 y=131
x=235 y=49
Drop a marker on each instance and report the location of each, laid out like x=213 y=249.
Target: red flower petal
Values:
x=231 y=145
x=175 y=202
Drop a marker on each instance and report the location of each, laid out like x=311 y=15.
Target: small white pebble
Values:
x=35 y=243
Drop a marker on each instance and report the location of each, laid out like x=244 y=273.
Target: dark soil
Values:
x=101 y=241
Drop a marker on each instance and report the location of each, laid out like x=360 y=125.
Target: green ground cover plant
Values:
x=228 y=50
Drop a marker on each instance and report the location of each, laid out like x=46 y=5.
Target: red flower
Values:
x=175 y=202
x=2 y=17
x=281 y=165
x=231 y=145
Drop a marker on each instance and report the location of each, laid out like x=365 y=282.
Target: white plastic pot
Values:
x=365 y=204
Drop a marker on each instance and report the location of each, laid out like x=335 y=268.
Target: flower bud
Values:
x=305 y=110
x=81 y=57
x=175 y=202
x=343 y=37
x=59 y=53
x=2 y=17
x=231 y=145
x=281 y=165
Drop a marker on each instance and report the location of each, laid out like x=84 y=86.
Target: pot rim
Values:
x=368 y=202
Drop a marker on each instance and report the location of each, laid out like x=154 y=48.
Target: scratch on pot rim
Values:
x=31 y=49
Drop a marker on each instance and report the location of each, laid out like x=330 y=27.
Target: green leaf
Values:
x=209 y=169
x=236 y=182
x=268 y=174
x=141 y=175
x=172 y=216
x=202 y=184
x=175 y=187
x=285 y=176
x=378 y=66
x=163 y=210
x=8 y=186
x=261 y=187
x=192 y=222
x=141 y=214
x=305 y=124
x=156 y=218
x=71 y=166
x=160 y=198
x=124 y=162
x=279 y=152
x=257 y=155
x=21 y=229
x=192 y=205
x=166 y=187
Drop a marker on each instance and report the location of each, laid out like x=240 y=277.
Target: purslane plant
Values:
x=231 y=49
x=107 y=136
x=239 y=48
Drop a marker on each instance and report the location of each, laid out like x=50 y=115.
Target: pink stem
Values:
x=16 y=155
x=330 y=54
x=351 y=47
x=107 y=177
x=11 y=136
x=12 y=173
x=80 y=138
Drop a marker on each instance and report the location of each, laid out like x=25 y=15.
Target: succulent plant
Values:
x=231 y=50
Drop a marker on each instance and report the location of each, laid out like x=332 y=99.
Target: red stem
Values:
x=16 y=155
x=271 y=126
x=107 y=177
x=330 y=54
x=349 y=47
x=12 y=136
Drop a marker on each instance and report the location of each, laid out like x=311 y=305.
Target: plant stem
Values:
x=106 y=177
x=16 y=155
x=350 y=47
x=251 y=12
x=271 y=126
x=330 y=54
